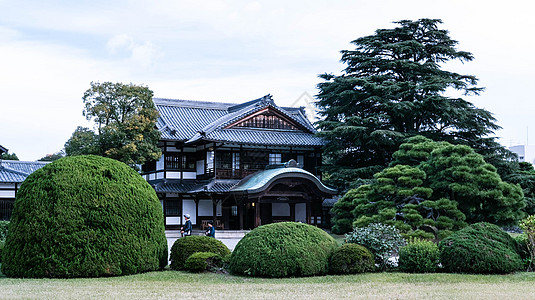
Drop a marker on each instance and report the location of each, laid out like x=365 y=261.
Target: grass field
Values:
x=174 y=285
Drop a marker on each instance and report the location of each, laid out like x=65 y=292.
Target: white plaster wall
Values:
x=188 y=207
x=159 y=164
x=172 y=220
x=200 y=167
x=189 y=175
x=173 y=175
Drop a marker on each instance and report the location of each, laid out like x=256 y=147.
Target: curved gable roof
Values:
x=261 y=180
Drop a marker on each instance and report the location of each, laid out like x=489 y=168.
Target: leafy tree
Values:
x=392 y=88
x=82 y=142
x=53 y=157
x=125 y=118
x=8 y=156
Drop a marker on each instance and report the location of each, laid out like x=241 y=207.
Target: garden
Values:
x=101 y=229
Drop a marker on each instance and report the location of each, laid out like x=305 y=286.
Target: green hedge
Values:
x=2 y=243
x=352 y=259
x=419 y=257
x=3 y=230
x=85 y=216
x=480 y=248
x=203 y=261
x=186 y=246
x=282 y=250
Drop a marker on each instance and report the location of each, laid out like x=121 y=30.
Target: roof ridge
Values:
x=192 y=103
x=13 y=171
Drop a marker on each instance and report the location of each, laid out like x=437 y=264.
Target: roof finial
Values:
x=268 y=99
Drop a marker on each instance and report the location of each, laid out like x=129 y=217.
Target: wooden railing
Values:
x=233 y=174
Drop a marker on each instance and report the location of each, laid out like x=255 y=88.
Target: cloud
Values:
x=141 y=54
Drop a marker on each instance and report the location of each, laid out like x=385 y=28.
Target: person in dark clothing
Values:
x=211 y=230
x=186 y=229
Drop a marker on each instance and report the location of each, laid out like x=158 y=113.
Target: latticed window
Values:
x=267 y=121
x=275 y=158
x=180 y=161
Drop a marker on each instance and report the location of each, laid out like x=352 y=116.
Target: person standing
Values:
x=211 y=230
x=186 y=229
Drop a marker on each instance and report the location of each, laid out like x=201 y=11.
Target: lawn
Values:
x=174 y=285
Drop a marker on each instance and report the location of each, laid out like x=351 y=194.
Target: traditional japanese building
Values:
x=12 y=174
x=239 y=165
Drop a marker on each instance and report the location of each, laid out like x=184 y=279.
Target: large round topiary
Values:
x=479 y=248
x=186 y=246
x=352 y=259
x=85 y=216
x=282 y=250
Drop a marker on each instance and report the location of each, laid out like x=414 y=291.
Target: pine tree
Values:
x=392 y=88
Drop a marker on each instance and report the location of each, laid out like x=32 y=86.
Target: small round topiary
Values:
x=479 y=248
x=186 y=246
x=419 y=257
x=282 y=250
x=352 y=259
x=85 y=216
x=202 y=261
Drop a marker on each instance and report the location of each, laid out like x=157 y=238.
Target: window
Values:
x=235 y=161
x=180 y=161
x=234 y=210
x=173 y=161
x=188 y=161
x=267 y=120
x=172 y=208
x=210 y=161
x=223 y=160
x=301 y=160
x=275 y=158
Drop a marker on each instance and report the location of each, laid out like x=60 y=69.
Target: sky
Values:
x=234 y=51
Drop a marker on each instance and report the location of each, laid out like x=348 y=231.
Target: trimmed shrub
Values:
x=2 y=243
x=188 y=245
x=382 y=240
x=419 y=257
x=480 y=248
x=203 y=261
x=85 y=216
x=3 y=230
x=282 y=250
x=352 y=259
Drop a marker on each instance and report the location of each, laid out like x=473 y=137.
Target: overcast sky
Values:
x=233 y=51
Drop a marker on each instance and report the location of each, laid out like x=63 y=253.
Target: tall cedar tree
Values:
x=125 y=118
x=392 y=88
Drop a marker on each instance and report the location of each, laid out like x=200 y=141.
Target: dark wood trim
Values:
x=257 y=221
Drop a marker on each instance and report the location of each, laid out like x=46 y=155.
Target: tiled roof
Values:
x=15 y=171
x=190 y=121
x=265 y=137
x=175 y=186
x=2 y=149
x=194 y=186
x=10 y=176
